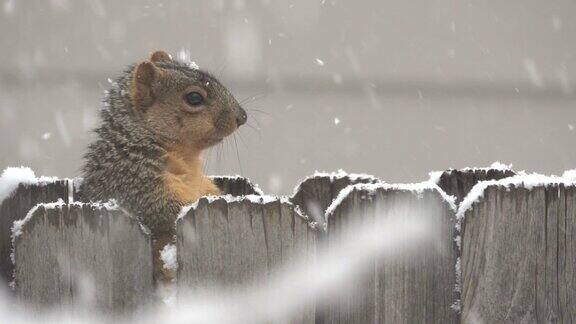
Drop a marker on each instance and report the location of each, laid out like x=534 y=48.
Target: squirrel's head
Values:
x=185 y=106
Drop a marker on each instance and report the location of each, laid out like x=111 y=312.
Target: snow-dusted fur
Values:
x=125 y=162
x=131 y=155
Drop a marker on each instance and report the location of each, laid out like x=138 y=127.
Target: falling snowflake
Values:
x=336 y=121
x=533 y=73
x=184 y=56
x=9 y=6
x=556 y=23
x=275 y=183
x=319 y=62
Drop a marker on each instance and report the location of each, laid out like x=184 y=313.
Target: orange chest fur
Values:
x=185 y=181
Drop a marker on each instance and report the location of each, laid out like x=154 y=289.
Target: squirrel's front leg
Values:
x=163 y=236
x=177 y=193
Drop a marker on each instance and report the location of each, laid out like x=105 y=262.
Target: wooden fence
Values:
x=519 y=255
x=79 y=253
x=506 y=250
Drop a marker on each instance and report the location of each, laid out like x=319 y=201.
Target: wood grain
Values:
x=412 y=283
x=82 y=255
x=241 y=244
x=459 y=182
x=519 y=256
x=16 y=207
x=316 y=193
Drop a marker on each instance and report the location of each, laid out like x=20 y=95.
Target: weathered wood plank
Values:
x=417 y=284
x=459 y=182
x=357 y=304
x=314 y=194
x=239 y=244
x=82 y=254
x=567 y=268
x=15 y=207
x=518 y=255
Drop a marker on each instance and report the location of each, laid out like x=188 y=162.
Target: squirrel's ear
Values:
x=160 y=56
x=144 y=74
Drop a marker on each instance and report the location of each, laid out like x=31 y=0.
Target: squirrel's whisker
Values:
x=238 y=154
x=258 y=126
x=256 y=130
x=251 y=99
x=242 y=140
x=219 y=156
x=221 y=69
x=261 y=111
x=206 y=162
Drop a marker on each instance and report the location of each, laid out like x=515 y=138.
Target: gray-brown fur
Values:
x=127 y=159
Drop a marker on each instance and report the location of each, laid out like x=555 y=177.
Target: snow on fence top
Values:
x=19 y=224
x=372 y=187
x=403 y=280
x=258 y=199
x=459 y=182
x=315 y=193
x=80 y=244
x=340 y=174
x=12 y=177
x=245 y=237
x=21 y=190
x=569 y=174
x=527 y=181
x=255 y=199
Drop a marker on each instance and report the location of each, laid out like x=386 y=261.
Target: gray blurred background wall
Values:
x=392 y=88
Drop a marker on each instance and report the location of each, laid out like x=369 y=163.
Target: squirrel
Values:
x=158 y=117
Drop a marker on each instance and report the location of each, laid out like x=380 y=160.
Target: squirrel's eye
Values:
x=194 y=98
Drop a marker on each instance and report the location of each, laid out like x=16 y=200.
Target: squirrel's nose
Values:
x=241 y=117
